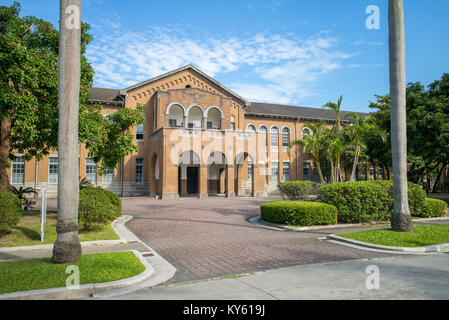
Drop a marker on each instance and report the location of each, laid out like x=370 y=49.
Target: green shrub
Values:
x=296 y=190
x=435 y=208
x=416 y=197
x=10 y=211
x=369 y=201
x=95 y=209
x=299 y=213
x=116 y=202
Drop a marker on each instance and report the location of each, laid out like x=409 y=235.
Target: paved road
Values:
x=210 y=238
x=400 y=278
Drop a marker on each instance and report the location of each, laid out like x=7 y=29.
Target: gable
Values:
x=181 y=78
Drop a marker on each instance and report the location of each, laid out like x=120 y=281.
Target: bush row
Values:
x=299 y=213
x=355 y=202
x=369 y=201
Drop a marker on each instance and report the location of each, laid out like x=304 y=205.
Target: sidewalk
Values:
x=400 y=278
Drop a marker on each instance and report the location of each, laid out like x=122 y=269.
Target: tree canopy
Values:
x=29 y=96
x=427 y=130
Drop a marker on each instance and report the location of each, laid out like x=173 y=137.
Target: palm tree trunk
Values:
x=354 y=165
x=67 y=247
x=318 y=165
x=401 y=219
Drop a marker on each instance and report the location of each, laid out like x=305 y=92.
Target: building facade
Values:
x=199 y=139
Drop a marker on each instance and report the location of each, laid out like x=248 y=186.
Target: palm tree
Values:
x=67 y=247
x=358 y=132
x=401 y=219
x=313 y=145
x=336 y=140
x=336 y=107
x=335 y=147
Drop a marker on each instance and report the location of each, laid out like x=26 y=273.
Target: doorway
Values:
x=192 y=180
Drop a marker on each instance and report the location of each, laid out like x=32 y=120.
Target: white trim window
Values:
x=53 y=166
x=139 y=170
x=18 y=171
x=140 y=133
x=275 y=172
x=286 y=171
x=263 y=130
x=306 y=171
x=108 y=177
x=274 y=139
x=91 y=171
x=285 y=139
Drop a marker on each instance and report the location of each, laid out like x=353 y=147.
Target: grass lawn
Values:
x=26 y=275
x=28 y=231
x=420 y=237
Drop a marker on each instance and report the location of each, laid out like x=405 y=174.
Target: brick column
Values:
x=230 y=182
x=222 y=184
x=259 y=189
x=170 y=182
x=203 y=182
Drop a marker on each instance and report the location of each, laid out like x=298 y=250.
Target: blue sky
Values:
x=284 y=51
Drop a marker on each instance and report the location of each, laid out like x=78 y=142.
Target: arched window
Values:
x=285 y=138
x=306 y=132
x=214 y=119
x=263 y=130
x=176 y=116
x=195 y=118
x=275 y=137
x=251 y=129
x=232 y=123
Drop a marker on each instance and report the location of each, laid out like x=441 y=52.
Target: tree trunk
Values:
x=5 y=148
x=354 y=165
x=67 y=247
x=401 y=220
x=318 y=165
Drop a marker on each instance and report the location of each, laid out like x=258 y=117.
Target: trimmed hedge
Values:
x=299 y=213
x=369 y=201
x=95 y=209
x=296 y=190
x=10 y=211
x=435 y=208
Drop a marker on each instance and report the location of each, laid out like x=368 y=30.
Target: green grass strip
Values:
x=28 y=232
x=26 y=275
x=420 y=237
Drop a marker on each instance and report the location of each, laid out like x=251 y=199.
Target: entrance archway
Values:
x=244 y=172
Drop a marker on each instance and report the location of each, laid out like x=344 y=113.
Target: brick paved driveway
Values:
x=211 y=238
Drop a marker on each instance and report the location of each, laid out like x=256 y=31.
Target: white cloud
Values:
x=274 y=67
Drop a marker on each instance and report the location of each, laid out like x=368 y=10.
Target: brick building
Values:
x=199 y=139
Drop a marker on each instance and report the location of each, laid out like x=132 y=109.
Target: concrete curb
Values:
x=258 y=220
x=158 y=270
x=439 y=248
x=84 y=291
x=118 y=225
